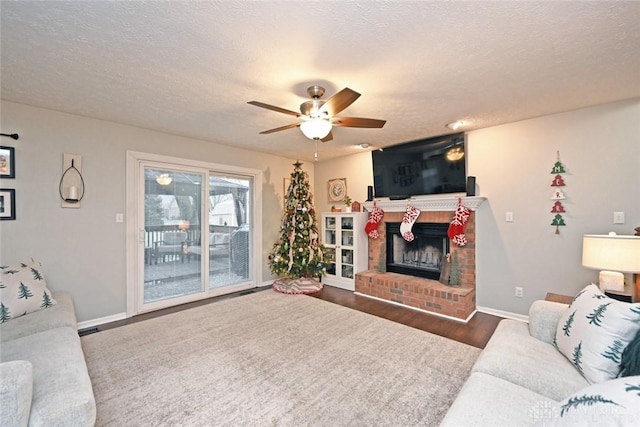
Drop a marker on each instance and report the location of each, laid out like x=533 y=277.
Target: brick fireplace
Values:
x=427 y=294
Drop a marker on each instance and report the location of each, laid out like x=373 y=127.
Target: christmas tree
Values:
x=298 y=252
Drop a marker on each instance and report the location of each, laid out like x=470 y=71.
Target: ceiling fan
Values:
x=317 y=117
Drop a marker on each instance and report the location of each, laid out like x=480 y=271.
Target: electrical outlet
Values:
x=618 y=217
x=519 y=292
x=508 y=216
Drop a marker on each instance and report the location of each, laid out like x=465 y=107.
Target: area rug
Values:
x=268 y=359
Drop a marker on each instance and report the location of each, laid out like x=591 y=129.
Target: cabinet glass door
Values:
x=347 y=263
x=330 y=241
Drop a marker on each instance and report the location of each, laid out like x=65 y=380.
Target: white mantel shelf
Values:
x=426 y=203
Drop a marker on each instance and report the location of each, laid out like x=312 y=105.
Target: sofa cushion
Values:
x=485 y=400
x=61 y=314
x=594 y=331
x=23 y=290
x=16 y=390
x=515 y=356
x=543 y=319
x=174 y=238
x=609 y=403
x=62 y=392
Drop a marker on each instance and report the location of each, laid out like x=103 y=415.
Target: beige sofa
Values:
x=521 y=379
x=45 y=381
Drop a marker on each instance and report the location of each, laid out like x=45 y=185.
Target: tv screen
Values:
x=427 y=166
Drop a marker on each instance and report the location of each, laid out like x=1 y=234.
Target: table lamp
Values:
x=613 y=255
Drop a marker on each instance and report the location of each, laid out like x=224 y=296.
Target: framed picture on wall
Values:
x=7 y=203
x=7 y=162
x=337 y=189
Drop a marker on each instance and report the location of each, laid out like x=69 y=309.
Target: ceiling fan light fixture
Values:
x=164 y=179
x=316 y=128
x=455 y=154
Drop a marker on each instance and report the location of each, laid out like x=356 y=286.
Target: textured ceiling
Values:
x=189 y=68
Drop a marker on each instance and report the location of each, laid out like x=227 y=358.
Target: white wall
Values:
x=356 y=168
x=600 y=147
x=83 y=250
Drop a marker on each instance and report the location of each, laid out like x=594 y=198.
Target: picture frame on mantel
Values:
x=7 y=162
x=7 y=204
x=337 y=189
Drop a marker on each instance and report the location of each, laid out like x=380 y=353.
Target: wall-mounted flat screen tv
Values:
x=423 y=167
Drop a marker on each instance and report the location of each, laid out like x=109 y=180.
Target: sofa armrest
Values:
x=16 y=391
x=543 y=319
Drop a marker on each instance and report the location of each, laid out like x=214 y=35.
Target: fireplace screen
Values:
x=422 y=257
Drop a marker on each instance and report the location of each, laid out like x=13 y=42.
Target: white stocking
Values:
x=410 y=217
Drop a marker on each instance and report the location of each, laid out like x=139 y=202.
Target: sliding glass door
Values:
x=195 y=238
x=172 y=222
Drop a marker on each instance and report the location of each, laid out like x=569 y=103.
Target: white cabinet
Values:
x=347 y=247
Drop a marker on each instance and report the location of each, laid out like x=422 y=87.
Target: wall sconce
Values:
x=613 y=254
x=71 y=186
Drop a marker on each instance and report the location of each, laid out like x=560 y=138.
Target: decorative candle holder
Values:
x=71 y=186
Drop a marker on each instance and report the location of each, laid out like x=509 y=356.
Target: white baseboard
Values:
x=101 y=321
x=505 y=314
x=120 y=316
x=420 y=309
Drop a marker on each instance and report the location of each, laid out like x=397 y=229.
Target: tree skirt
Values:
x=302 y=285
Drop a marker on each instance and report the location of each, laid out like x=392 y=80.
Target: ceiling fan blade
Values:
x=339 y=101
x=356 y=122
x=274 y=108
x=291 y=126
x=327 y=138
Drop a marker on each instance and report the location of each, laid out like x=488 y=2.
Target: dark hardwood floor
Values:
x=476 y=332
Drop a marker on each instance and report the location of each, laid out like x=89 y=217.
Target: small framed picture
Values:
x=7 y=204
x=337 y=189
x=7 y=162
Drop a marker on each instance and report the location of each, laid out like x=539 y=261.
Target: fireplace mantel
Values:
x=441 y=204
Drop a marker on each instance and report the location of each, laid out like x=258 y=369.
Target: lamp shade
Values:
x=611 y=252
x=316 y=128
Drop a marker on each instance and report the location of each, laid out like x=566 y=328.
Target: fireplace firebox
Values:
x=422 y=257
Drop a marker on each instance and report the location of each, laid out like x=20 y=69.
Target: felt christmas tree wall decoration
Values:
x=558 y=167
x=298 y=252
x=558 y=181
x=558 y=221
x=458 y=224
x=557 y=207
x=371 y=227
x=410 y=216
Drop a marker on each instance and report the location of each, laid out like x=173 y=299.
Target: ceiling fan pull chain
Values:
x=316 y=154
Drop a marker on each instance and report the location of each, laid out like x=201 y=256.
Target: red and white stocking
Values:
x=458 y=224
x=371 y=228
x=410 y=217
